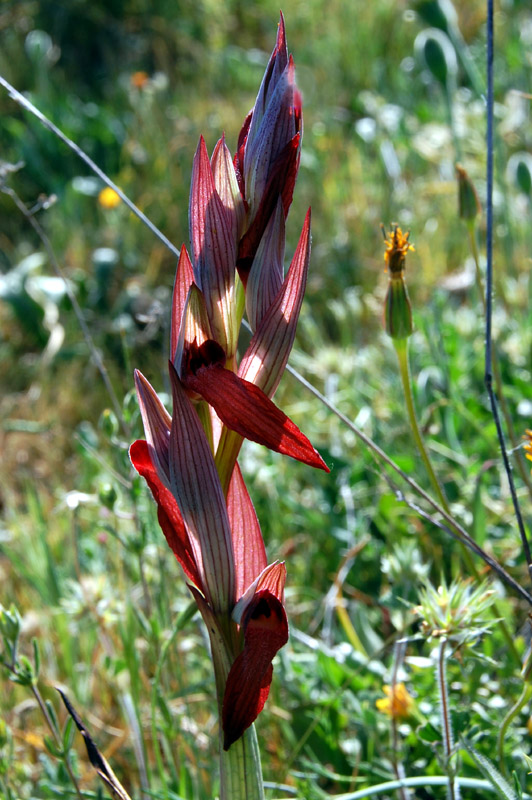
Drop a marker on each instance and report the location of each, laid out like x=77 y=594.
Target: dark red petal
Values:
x=248 y=683
x=245 y=409
x=248 y=545
x=168 y=513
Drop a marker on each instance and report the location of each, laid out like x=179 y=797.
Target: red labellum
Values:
x=248 y=684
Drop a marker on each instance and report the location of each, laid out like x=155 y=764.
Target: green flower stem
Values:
x=226 y=455
x=449 y=91
x=240 y=769
x=521 y=466
x=453 y=790
x=401 y=348
x=523 y=699
x=240 y=766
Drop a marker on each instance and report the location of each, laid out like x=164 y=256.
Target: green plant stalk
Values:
x=521 y=466
x=523 y=699
x=240 y=765
x=449 y=91
x=453 y=790
x=240 y=769
x=401 y=348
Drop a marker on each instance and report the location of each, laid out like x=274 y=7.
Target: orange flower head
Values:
x=397 y=246
x=139 y=79
x=398 y=702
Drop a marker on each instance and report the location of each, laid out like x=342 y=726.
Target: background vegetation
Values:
x=134 y=84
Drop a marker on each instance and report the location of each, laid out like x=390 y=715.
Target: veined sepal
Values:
x=266 y=357
x=195 y=328
x=267 y=270
x=214 y=251
x=184 y=278
x=195 y=484
x=157 y=423
x=226 y=184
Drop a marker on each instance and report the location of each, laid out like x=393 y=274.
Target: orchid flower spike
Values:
x=237 y=213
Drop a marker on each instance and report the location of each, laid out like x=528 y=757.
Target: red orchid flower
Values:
x=237 y=213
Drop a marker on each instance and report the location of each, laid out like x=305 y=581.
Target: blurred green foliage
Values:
x=134 y=84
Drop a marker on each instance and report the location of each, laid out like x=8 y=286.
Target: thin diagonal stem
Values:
x=475 y=548
x=26 y=104
x=488 y=375
x=521 y=466
x=457 y=531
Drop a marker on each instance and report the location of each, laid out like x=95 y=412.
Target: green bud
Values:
x=107 y=495
x=523 y=177
x=9 y=624
x=108 y=423
x=438 y=13
x=3 y=734
x=397 y=309
x=435 y=51
x=468 y=202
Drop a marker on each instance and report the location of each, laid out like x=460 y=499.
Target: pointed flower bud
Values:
x=195 y=328
x=213 y=251
x=397 y=308
x=226 y=184
x=468 y=202
x=183 y=279
x=269 y=148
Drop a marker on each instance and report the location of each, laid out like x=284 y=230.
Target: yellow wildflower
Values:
x=397 y=246
x=528 y=444
x=398 y=703
x=108 y=198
